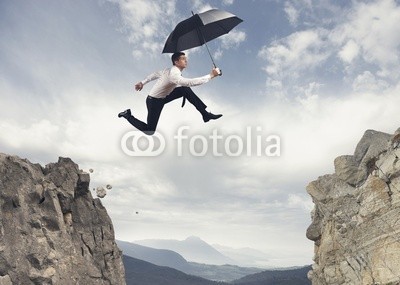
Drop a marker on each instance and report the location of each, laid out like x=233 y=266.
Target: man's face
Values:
x=181 y=62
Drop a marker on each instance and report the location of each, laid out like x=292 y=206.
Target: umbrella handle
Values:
x=220 y=71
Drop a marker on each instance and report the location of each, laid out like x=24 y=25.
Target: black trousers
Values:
x=155 y=106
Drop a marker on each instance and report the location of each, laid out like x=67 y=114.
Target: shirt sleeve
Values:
x=151 y=77
x=176 y=77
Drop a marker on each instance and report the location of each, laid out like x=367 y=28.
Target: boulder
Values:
x=355 y=217
x=52 y=231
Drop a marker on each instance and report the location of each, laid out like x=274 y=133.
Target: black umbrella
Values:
x=200 y=29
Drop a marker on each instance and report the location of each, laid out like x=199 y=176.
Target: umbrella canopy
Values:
x=200 y=29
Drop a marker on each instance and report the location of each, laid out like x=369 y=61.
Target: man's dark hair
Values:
x=176 y=56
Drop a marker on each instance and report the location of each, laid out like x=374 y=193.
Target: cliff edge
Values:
x=356 y=217
x=51 y=229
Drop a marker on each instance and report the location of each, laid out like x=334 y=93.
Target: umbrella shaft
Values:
x=210 y=55
x=208 y=50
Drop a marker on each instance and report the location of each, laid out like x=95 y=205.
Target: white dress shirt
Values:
x=169 y=79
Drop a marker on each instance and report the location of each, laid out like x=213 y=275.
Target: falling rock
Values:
x=51 y=229
x=101 y=192
x=355 y=221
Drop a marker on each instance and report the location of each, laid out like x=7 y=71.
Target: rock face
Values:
x=356 y=217
x=51 y=229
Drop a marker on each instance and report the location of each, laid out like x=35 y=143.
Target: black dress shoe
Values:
x=126 y=114
x=210 y=116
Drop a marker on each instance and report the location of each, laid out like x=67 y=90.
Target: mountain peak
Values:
x=194 y=238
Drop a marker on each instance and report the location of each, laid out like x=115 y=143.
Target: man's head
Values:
x=179 y=60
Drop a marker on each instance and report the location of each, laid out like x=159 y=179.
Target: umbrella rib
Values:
x=222 y=27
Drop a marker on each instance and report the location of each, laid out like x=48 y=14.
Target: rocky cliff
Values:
x=356 y=217
x=51 y=229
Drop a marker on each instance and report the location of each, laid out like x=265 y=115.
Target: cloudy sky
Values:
x=316 y=74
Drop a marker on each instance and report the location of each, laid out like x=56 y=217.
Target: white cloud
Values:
x=371 y=30
x=316 y=129
x=233 y=39
x=308 y=96
x=308 y=13
x=349 y=51
x=292 y=13
x=291 y=56
x=295 y=200
x=41 y=134
x=148 y=23
x=299 y=51
x=200 y=6
x=227 y=2
x=218 y=54
x=228 y=41
x=364 y=37
x=367 y=82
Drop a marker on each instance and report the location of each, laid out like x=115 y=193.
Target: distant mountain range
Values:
x=167 y=265
x=196 y=250
x=296 y=276
x=139 y=272
x=162 y=257
x=246 y=257
x=193 y=249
